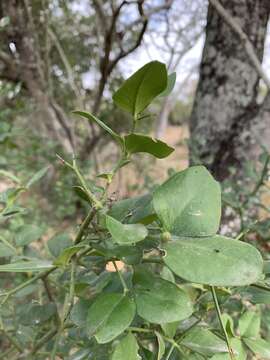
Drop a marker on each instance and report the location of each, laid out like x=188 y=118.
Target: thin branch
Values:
x=244 y=39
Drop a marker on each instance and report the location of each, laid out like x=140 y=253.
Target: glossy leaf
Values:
x=170 y=85
x=27 y=266
x=137 y=143
x=28 y=234
x=125 y=234
x=260 y=347
x=189 y=203
x=141 y=88
x=127 y=348
x=159 y=301
x=109 y=316
x=204 y=342
x=216 y=260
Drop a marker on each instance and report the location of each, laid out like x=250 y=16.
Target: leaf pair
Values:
x=189 y=206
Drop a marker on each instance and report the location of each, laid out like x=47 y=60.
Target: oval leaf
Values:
x=204 y=342
x=141 y=88
x=125 y=233
x=159 y=301
x=127 y=348
x=109 y=316
x=170 y=85
x=137 y=143
x=216 y=260
x=189 y=203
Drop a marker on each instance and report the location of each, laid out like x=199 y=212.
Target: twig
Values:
x=214 y=295
x=244 y=39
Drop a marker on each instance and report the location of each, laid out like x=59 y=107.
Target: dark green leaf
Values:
x=36 y=314
x=79 y=312
x=141 y=88
x=126 y=349
x=125 y=233
x=58 y=243
x=109 y=316
x=137 y=143
x=159 y=301
x=189 y=203
x=216 y=260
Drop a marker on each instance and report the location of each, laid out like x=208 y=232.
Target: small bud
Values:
x=166 y=236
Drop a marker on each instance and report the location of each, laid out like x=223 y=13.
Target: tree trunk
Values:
x=226 y=117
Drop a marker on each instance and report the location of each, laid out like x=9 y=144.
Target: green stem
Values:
x=85 y=225
x=170 y=352
x=125 y=288
x=214 y=295
x=262 y=287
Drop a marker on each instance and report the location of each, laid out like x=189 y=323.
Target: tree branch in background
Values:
x=244 y=39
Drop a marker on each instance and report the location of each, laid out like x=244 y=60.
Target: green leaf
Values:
x=141 y=88
x=58 y=243
x=27 y=266
x=137 y=143
x=37 y=176
x=109 y=316
x=189 y=203
x=6 y=250
x=79 y=312
x=125 y=233
x=259 y=346
x=127 y=348
x=170 y=85
x=266 y=267
x=228 y=324
x=204 y=342
x=238 y=349
x=105 y=127
x=169 y=329
x=134 y=210
x=250 y=324
x=36 y=314
x=64 y=258
x=159 y=301
x=161 y=346
x=216 y=260
x=28 y=234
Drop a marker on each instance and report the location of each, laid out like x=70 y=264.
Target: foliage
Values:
x=178 y=272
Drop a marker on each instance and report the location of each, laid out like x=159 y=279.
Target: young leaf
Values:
x=27 y=266
x=189 y=203
x=216 y=260
x=137 y=143
x=127 y=348
x=204 y=342
x=141 y=88
x=159 y=301
x=170 y=85
x=109 y=316
x=105 y=127
x=28 y=234
x=259 y=346
x=125 y=234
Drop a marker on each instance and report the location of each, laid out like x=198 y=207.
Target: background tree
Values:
x=228 y=124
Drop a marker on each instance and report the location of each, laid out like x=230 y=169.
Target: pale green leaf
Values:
x=126 y=349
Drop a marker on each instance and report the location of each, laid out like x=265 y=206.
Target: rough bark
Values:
x=226 y=119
